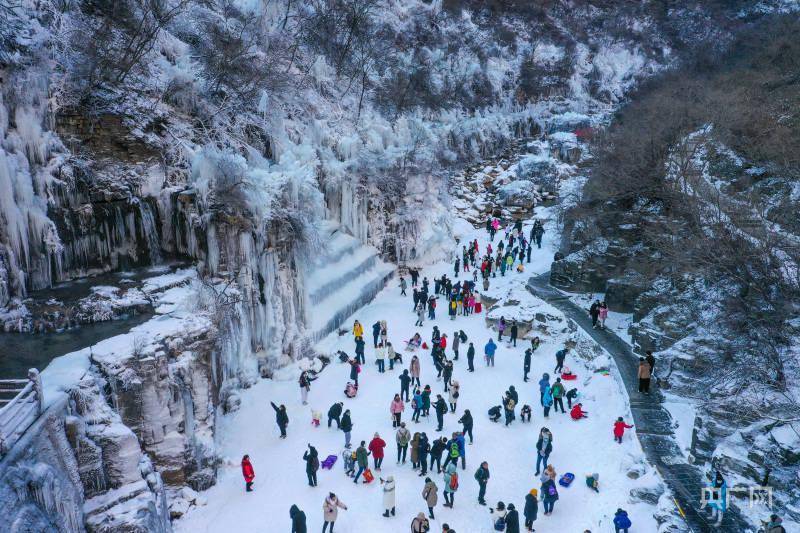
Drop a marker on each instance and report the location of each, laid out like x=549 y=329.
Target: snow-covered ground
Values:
x=580 y=447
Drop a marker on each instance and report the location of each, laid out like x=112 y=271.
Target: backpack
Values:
x=500 y=524
x=551 y=490
x=454 y=450
x=511 y=404
x=454 y=481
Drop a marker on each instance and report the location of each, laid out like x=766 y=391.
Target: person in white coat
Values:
x=388 y=496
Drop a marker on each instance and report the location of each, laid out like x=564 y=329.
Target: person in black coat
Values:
x=526 y=365
x=376 y=332
x=334 y=413
x=298 y=520
x=514 y=330
x=531 y=509
x=281 y=418
x=441 y=408
x=405 y=382
x=354 y=370
x=466 y=421
x=423 y=448
x=346 y=426
x=470 y=358
x=437 y=450
x=360 y=344
x=512 y=519
x=311 y=457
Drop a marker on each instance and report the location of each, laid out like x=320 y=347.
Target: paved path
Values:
x=652 y=421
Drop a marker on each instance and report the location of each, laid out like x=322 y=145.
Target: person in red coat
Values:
x=248 y=473
x=619 y=429
x=577 y=413
x=443 y=342
x=376 y=446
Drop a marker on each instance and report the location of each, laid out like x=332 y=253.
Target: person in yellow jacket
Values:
x=358 y=329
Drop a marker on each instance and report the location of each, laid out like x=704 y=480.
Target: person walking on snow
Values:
x=355 y=369
x=298 y=520
x=380 y=357
x=330 y=510
x=594 y=312
x=501 y=327
x=376 y=446
x=489 y=351
x=455 y=392
x=651 y=360
x=420 y=314
x=248 y=473
x=441 y=408
x=311 y=457
x=405 y=383
x=547 y=402
x=526 y=364
x=388 y=496
x=403 y=286
x=619 y=429
x=603 y=315
x=362 y=460
x=560 y=356
x=514 y=329
x=403 y=436
x=482 y=477
x=456 y=342
x=549 y=495
x=414 y=368
x=376 y=333
x=471 y=358
x=621 y=521
x=437 y=449
x=305 y=385
x=544 y=386
x=557 y=390
x=396 y=409
x=346 y=426
x=531 y=509
x=281 y=418
x=644 y=376
x=360 y=345
x=430 y=493
x=544 y=446
x=466 y=423
x=450 y=485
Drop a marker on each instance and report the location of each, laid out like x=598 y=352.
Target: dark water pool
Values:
x=21 y=351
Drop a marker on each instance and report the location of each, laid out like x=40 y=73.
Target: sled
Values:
x=329 y=461
x=478 y=307
x=368 y=477
x=567 y=479
x=569 y=377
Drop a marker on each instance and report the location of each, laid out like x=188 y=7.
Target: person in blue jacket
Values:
x=489 y=351
x=544 y=386
x=621 y=521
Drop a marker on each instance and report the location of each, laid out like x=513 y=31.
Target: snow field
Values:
x=580 y=447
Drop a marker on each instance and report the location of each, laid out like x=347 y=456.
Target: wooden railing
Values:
x=21 y=401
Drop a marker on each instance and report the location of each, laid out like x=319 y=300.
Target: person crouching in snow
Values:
x=619 y=429
x=577 y=413
x=248 y=473
x=316 y=417
x=388 y=496
x=593 y=482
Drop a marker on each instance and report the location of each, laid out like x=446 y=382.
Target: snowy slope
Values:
x=579 y=447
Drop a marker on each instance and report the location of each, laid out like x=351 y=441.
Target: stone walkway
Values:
x=653 y=423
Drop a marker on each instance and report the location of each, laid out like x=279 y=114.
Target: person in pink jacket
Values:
x=396 y=408
x=603 y=315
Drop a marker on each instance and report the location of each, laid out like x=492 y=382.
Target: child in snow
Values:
x=316 y=416
x=349 y=463
x=350 y=390
x=494 y=413
x=577 y=413
x=592 y=481
x=525 y=414
x=248 y=473
x=619 y=429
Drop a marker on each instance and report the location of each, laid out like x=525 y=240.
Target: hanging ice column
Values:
x=347 y=276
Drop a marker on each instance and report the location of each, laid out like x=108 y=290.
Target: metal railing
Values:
x=21 y=404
